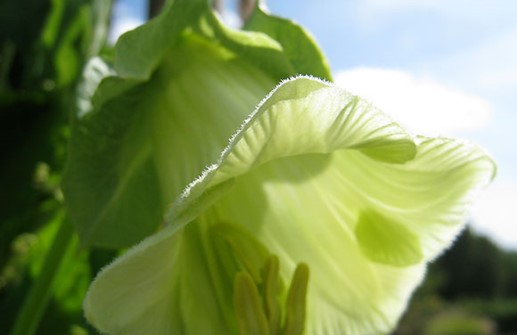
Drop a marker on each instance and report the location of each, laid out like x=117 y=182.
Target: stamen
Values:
x=296 y=301
x=272 y=290
x=259 y=311
x=250 y=315
x=248 y=251
x=262 y=307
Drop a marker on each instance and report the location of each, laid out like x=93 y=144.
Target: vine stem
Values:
x=41 y=290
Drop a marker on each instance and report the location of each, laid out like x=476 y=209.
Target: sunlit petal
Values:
x=316 y=176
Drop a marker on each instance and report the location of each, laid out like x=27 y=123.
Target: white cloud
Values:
x=122 y=24
x=495 y=214
x=422 y=105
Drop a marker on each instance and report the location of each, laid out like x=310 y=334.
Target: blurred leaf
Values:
x=43 y=45
x=50 y=32
x=29 y=133
x=35 y=36
x=471 y=255
x=458 y=323
x=21 y=23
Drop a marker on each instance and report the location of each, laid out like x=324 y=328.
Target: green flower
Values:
x=319 y=214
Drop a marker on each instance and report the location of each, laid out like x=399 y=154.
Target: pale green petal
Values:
x=140 y=283
x=315 y=207
x=301 y=116
x=314 y=200
x=317 y=176
x=171 y=283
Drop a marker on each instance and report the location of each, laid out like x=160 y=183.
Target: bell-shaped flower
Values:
x=318 y=216
x=314 y=176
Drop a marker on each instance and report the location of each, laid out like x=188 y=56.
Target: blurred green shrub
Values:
x=459 y=323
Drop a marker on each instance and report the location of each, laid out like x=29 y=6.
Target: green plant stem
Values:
x=39 y=294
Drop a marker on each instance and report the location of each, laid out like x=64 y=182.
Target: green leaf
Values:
x=139 y=52
x=298 y=45
x=259 y=49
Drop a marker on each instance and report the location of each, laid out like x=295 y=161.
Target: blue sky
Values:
x=439 y=66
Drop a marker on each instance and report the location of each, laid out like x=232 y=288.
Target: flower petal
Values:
x=166 y=283
x=301 y=116
x=336 y=211
x=136 y=286
x=318 y=208
x=319 y=177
